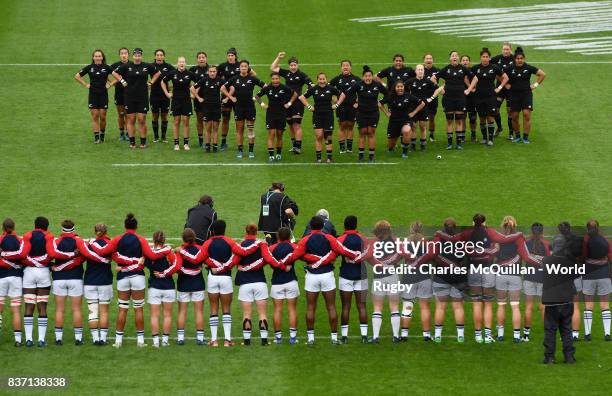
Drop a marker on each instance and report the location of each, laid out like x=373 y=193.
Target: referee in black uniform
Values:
x=276 y=210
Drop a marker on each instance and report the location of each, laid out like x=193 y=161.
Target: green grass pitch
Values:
x=50 y=167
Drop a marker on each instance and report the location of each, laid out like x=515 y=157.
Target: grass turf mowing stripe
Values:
x=252 y=164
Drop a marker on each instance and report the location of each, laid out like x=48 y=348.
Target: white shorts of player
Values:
x=386 y=286
x=100 y=293
x=68 y=287
x=10 y=286
x=132 y=283
x=34 y=277
x=220 y=284
x=352 y=285
x=194 y=296
x=445 y=289
x=531 y=288
x=320 y=282
x=286 y=291
x=158 y=296
x=250 y=292
x=596 y=287
x=578 y=284
x=508 y=282
x=423 y=290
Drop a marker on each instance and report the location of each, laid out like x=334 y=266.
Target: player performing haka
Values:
x=430 y=71
x=456 y=77
x=401 y=108
x=181 y=80
x=134 y=77
x=521 y=96
x=207 y=93
x=504 y=61
x=98 y=72
x=396 y=72
x=323 y=114
x=281 y=99
x=200 y=71
x=424 y=89
x=239 y=90
x=487 y=75
x=294 y=79
x=160 y=103
x=346 y=112
x=368 y=92
x=469 y=100
x=124 y=57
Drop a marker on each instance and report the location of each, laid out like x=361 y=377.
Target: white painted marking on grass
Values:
x=210 y=164
x=526 y=25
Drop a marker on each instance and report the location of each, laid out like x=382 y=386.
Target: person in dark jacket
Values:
x=200 y=217
x=328 y=226
x=558 y=293
x=276 y=210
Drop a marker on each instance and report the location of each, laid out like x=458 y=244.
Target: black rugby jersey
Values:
x=98 y=76
x=181 y=81
x=296 y=80
x=343 y=82
x=322 y=97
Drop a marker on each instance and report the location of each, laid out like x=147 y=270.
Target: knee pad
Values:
x=460 y=116
x=450 y=116
x=123 y=304
x=93 y=310
x=246 y=324
x=42 y=299
x=138 y=303
x=488 y=297
x=407 y=307
x=16 y=302
x=29 y=298
x=263 y=324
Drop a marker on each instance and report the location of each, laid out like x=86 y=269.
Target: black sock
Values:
x=423 y=141
x=498 y=121
x=164 y=129
x=121 y=132
x=185 y=140
x=318 y=155
x=155 y=126
x=143 y=141
x=279 y=150
x=510 y=125
x=371 y=155
x=298 y=144
x=342 y=144
x=102 y=135
x=431 y=132
x=293 y=142
x=491 y=129
x=449 y=138
x=251 y=147
x=223 y=140
x=349 y=144
x=329 y=154
x=483 y=130
x=96 y=136
x=460 y=137
x=404 y=148
x=413 y=143
x=361 y=154
x=176 y=142
x=133 y=141
x=201 y=141
x=207 y=146
x=270 y=151
x=240 y=147
x=215 y=147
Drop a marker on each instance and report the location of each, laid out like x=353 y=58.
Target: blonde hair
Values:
x=382 y=230
x=509 y=224
x=100 y=230
x=416 y=231
x=159 y=238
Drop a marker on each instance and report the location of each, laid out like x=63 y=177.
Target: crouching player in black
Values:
x=280 y=99
x=399 y=102
x=346 y=112
x=521 y=96
x=181 y=80
x=323 y=115
x=207 y=92
x=98 y=72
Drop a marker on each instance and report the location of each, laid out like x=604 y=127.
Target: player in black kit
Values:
x=470 y=105
x=280 y=100
x=181 y=80
x=486 y=75
x=396 y=72
x=294 y=79
x=323 y=114
x=159 y=102
x=98 y=72
x=207 y=92
x=432 y=107
x=347 y=111
x=124 y=57
x=239 y=90
x=134 y=76
x=368 y=91
x=505 y=60
x=200 y=70
x=424 y=89
x=521 y=96
x=455 y=77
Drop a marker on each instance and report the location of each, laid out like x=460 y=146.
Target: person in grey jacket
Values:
x=328 y=226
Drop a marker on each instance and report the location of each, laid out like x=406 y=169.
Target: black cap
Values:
x=137 y=50
x=232 y=51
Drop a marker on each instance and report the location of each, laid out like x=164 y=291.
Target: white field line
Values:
x=215 y=164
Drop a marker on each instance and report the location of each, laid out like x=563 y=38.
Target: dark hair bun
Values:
x=129 y=216
x=485 y=49
x=366 y=69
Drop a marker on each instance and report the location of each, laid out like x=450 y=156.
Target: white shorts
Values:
x=68 y=287
x=158 y=296
x=134 y=282
x=320 y=282
x=285 y=291
x=423 y=290
x=34 y=277
x=102 y=293
x=220 y=284
x=253 y=292
x=10 y=286
x=386 y=286
x=352 y=285
x=191 y=296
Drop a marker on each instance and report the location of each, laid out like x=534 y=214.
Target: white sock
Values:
x=140 y=337
x=214 y=324
x=17 y=335
x=227 y=326
x=588 y=321
x=500 y=331
x=103 y=334
x=310 y=334
x=246 y=334
x=278 y=335
x=28 y=325
x=263 y=333
x=426 y=334
x=488 y=333
x=118 y=337
x=576 y=333
x=95 y=335
x=292 y=332
x=344 y=330
x=180 y=334
x=438 y=331
x=460 y=331
x=376 y=323
x=200 y=335
x=165 y=338
x=606 y=317
x=363 y=329
x=478 y=334
x=78 y=334
x=155 y=340
x=395 y=323
x=517 y=333
x=405 y=331
x=59 y=333
x=334 y=336
x=42 y=328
